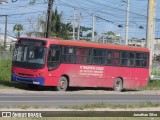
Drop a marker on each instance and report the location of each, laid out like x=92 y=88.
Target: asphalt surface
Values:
x=73 y=99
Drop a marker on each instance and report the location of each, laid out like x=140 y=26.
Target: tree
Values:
x=37 y=29
x=58 y=28
x=82 y=30
x=90 y=34
x=65 y=31
x=18 y=29
x=56 y=23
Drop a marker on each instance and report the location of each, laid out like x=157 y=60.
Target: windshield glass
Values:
x=27 y=56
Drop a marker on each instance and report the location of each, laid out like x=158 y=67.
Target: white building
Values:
x=10 y=41
x=137 y=42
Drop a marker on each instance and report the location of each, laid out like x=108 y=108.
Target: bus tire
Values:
x=118 y=85
x=62 y=84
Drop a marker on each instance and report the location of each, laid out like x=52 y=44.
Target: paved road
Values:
x=72 y=99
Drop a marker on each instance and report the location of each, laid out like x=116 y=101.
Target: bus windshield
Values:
x=29 y=56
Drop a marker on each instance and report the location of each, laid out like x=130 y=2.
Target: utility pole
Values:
x=5 y=35
x=79 y=27
x=127 y=22
x=74 y=14
x=150 y=29
x=49 y=14
x=93 y=26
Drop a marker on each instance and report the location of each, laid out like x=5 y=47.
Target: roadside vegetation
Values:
x=89 y=107
x=93 y=106
x=153 y=85
x=5 y=70
x=113 y=106
x=5 y=75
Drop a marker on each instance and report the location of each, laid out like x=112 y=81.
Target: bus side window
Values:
x=141 y=60
x=83 y=55
x=53 y=57
x=124 y=58
x=99 y=56
x=79 y=55
x=109 y=56
x=113 y=57
x=127 y=58
x=131 y=59
x=68 y=54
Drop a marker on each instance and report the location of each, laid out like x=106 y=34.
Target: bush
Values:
x=5 y=70
x=154 y=84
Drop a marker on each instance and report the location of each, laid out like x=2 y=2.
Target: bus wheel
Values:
x=118 y=85
x=62 y=85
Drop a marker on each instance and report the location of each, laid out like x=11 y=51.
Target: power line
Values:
x=24 y=13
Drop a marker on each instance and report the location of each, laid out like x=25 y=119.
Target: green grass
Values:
x=155 y=72
x=89 y=106
x=154 y=85
x=112 y=106
x=5 y=75
x=24 y=107
x=5 y=70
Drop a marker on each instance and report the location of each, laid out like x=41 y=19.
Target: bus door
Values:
x=127 y=67
x=140 y=73
x=53 y=63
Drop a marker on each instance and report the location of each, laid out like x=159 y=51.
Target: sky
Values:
x=109 y=14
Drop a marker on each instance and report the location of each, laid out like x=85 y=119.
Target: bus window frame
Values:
x=64 y=54
x=90 y=56
x=128 y=58
x=98 y=56
x=56 y=62
x=147 y=60
x=112 y=50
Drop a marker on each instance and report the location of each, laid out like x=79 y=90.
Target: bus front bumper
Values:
x=36 y=81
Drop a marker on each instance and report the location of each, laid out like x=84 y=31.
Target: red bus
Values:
x=65 y=63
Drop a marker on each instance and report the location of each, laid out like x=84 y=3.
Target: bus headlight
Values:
x=40 y=74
